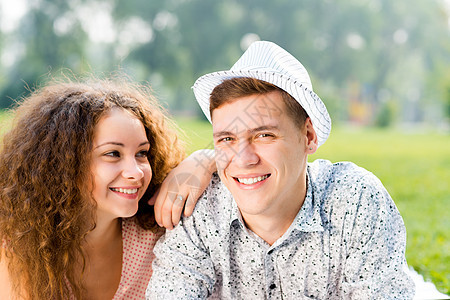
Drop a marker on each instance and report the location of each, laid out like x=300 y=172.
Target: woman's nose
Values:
x=132 y=169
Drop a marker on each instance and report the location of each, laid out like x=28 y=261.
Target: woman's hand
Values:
x=182 y=188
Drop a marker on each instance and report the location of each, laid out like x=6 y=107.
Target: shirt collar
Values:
x=308 y=218
x=235 y=214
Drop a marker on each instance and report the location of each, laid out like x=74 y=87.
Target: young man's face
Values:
x=260 y=154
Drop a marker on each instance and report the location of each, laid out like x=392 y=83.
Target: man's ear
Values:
x=311 y=137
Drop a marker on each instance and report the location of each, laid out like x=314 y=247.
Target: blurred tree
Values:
x=360 y=53
x=47 y=48
x=383 y=47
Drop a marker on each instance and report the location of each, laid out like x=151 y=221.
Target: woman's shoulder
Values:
x=138 y=244
x=5 y=282
x=132 y=232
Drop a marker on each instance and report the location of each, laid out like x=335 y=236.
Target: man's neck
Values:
x=272 y=226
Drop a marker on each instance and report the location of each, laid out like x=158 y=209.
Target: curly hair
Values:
x=44 y=167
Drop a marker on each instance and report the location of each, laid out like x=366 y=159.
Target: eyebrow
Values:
x=121 y=144
x=222 y=133
x=263 y=128
x=253 y=130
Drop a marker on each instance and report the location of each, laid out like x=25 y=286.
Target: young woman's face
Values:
x=119 y=164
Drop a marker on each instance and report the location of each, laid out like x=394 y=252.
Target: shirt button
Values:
x=272 y=286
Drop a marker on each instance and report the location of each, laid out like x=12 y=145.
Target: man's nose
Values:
x=246 y=155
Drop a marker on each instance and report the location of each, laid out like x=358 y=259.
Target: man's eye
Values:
x=226 y=139
x=263 y=135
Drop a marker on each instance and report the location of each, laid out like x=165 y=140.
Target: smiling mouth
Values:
x=125 y=191
x=251 y=180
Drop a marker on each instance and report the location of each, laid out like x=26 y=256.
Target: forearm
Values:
x=205 y=158
x=182 y=187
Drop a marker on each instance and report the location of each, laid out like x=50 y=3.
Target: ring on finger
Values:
x=179 y=198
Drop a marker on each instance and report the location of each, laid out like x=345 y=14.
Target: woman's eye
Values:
x=112 y=154
x=143 y=153
x=263 y=135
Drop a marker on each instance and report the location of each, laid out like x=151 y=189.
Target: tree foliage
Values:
x=361 y=54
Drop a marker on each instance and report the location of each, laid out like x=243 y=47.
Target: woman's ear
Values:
x=311 y=137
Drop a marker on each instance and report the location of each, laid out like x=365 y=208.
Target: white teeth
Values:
x=125 y=191
x=252 y=180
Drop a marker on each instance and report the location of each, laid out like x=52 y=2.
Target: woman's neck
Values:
x=104 y=255
x=105 y=234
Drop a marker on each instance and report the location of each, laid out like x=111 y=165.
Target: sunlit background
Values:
x=382 y=68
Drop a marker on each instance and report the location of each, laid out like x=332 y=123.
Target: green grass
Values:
x=415 y=169
x=196 y=133
x=5 y=120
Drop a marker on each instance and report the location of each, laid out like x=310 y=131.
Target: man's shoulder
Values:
x=216 y=188
x=348 y=194
x=345 y=184
x=343 y=174
x=215 y=203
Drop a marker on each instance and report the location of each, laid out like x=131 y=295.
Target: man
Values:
x=271 y=225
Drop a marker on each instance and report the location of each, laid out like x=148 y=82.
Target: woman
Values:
x=78 y=166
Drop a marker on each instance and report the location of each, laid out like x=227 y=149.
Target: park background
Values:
x=382 y=67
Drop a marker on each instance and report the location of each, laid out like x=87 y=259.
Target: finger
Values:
x=191 y=201
x=166 y=211
x=177 y=209
x=190 y=204
x=152 y=200
x=160 y=197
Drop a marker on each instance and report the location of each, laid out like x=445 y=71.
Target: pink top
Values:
x=137 y=260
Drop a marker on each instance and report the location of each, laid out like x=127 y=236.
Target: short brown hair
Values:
x=231 y=89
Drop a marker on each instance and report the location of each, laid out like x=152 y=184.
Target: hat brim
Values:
x=310 y=102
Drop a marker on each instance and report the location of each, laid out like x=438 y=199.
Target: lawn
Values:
x=415 y=169
x=5 y=118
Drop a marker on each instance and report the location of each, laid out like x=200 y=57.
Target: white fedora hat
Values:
x=269 y=62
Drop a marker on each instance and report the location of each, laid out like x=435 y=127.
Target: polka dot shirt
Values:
x=137 y=260
x=346 y=242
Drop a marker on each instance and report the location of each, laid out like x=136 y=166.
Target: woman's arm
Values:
x=182 y=188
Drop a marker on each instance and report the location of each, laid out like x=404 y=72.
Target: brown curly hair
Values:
x=44 y=167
